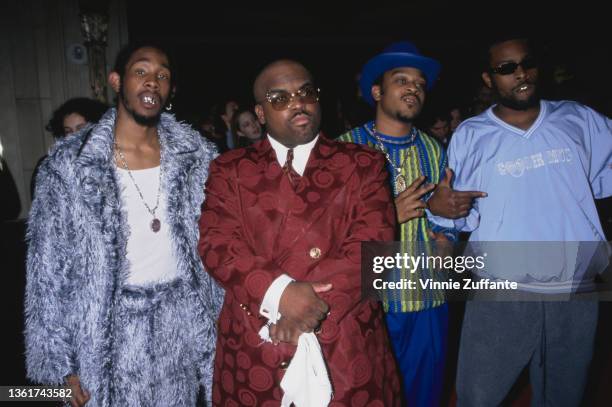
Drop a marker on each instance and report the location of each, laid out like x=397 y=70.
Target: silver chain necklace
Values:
x=155 y=223
x=398 y=180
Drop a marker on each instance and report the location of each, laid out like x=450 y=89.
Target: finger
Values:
x=415 y=213
x=312 y=314
x=470 y=194
x=424 y=189
x=317 y=312
x=87 y=395
x=312 y=324
x=306 y=327
x=321 y=287
x=273 y=330
x=295 y=338
x=402 y=195
x=78 y=397
x=283 y=334
x=418 y=204
x=323 y=307
x=314 y=310
x=276 y=337
x=415 y=184
x=431 y=234
x=448 y=177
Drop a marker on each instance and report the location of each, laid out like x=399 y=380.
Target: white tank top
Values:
x=150 y=255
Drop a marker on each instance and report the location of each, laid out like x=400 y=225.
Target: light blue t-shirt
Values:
x=541 y=182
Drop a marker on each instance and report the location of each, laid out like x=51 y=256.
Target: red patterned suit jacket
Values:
x=255 y=226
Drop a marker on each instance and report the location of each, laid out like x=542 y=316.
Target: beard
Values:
x=148 y=121
x=404 y=118
x=515 y=104
x=407 y=117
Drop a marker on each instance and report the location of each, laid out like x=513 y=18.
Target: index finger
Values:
x=470 y=194
x=425 y=189
x=323 y=307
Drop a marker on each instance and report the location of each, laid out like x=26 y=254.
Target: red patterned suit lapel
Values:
x=325 y=176
x=265 y=196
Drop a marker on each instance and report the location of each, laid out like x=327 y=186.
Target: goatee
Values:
x=514 y=104
x=403 y=118
x=148 y=121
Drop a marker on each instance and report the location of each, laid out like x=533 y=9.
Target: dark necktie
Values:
x=293 y=176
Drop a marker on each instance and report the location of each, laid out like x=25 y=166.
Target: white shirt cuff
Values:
x=271 y=301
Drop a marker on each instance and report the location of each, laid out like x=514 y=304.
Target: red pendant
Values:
x=155 y=225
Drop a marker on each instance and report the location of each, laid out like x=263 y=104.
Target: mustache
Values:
x=413 y=95
x=304 y=112
x=530 y=82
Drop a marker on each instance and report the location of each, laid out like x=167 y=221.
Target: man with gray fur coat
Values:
x=118 y=305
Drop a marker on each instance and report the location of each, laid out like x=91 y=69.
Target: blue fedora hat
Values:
x=399 y=54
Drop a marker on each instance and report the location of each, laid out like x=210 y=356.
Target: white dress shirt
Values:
x=301 y=154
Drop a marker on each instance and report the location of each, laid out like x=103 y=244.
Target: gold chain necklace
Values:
x=399 y=181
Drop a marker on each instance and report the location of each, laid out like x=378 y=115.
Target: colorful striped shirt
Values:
x=421 y=155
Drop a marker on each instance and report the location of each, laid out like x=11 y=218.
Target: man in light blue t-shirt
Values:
x=542 y=164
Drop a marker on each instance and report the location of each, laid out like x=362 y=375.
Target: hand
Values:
x=80 y=397
x=451 y=204
x=408 y=203
x=285 y=330
x=302 y=305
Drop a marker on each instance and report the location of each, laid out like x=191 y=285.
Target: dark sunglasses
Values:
x=281 y=99
x=508 y=68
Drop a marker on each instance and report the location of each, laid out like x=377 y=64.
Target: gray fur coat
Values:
x=76 y=261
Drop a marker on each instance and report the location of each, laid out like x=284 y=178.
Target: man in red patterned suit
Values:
x=281 y=229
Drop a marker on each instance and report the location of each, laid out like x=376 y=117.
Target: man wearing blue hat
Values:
x=395 y=82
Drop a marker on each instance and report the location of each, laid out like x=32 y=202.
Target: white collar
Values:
x=300 y=153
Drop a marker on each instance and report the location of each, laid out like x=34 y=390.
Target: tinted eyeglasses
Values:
x=281 y=99
x=508 y=68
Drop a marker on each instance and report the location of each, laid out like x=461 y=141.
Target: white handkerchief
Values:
x=306 y=383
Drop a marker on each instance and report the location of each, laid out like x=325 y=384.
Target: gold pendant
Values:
x=400 y=184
